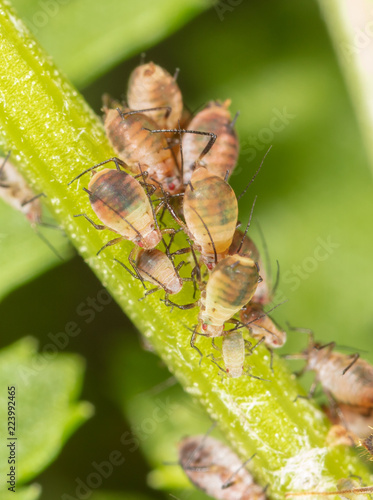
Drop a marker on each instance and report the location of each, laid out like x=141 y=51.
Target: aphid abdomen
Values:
x=155 y=264
x=233 y=350
x=231 y=285
x=120 y=202
x=223 y=156
x=138 y=147
x=355 y=387
x=211 y=203
x=151 y=86
x=249 y=249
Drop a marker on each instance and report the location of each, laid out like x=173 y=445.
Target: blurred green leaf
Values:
x=87 y=37
x=30 y=493
x=17 y=265
x=105 y=495
x=47 y=413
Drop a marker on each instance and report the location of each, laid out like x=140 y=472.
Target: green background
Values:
x=315 y=186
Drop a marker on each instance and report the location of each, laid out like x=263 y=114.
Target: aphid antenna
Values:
x=364 y=489
x=229 y=482
x=137 y=111
x=26 y=202
x=185 y=131
x=208 y=232
x=94 y=196
x=266 y=254
x=176 y=74
x=118 y=163
x=4 y=162
x=309 y=332
x=233 y=122
x=254 y=176
x=198 y=448
x=48 y=243
x=247 y=226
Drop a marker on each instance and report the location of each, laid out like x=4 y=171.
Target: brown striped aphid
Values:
x=121 y=203
x=252 y=315
x=222 y=158
x=157 y=268
x=210 y=211
x=215 y=469
x=347 y=379
x=128 y=133
x=151 y=86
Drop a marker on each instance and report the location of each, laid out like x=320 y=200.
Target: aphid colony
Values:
x=157 y=157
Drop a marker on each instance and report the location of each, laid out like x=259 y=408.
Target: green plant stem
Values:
x=350 y=27
x=54 y=136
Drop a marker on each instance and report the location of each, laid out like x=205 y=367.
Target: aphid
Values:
x=210 y=211
x=15 y=191
x=121 y=203
x=151 y=86
x=128 y=133
x=216 y=118
x=215 y=469
x=347 y=379
x=356 y=419
x=252 y=314
x=231 y=285
x=157 y=268
x=234 y=351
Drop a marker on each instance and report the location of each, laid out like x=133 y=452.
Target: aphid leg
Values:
x=214 y=345
x=255 y=376
x=99 y=227
x=149 y=292
x=136 y=111
x=193 y=344
x=180 y=306
x=254 y=176
x=213 y=359
x=118 y=163
x=49 y=245
x=4 y=162
x=311 y=392
x=184 y=131
x=136 y=274
x=110 y=243
x=355 y=358
x=230 y=481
